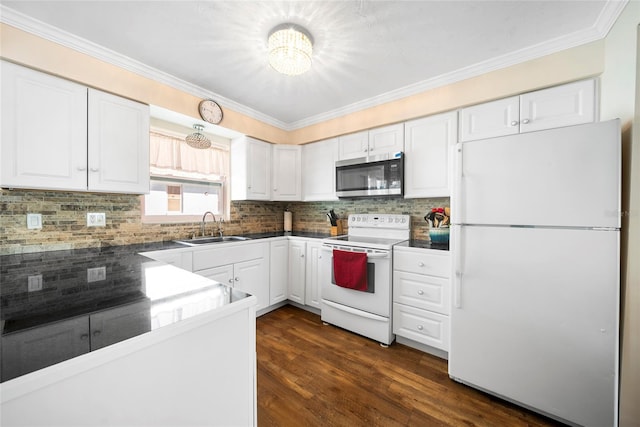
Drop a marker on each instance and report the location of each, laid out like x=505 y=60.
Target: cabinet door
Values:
x=565 y=105
x=252 y=277
x=313 y=275
x=287 y=180
x=297 y=271
x=118 y=144
x=117 y=324
x=44 y=131
x=258 y=170
x=222 y=274
x=496 y=118
x=353 y=146
x=37 y=348
x=319 y=166
x=428 y=162
x=278 y=262
x=386 y=140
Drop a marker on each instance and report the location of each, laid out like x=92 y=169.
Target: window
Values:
x=185 y=182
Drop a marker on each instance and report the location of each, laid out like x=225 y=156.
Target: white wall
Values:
x=620 y=92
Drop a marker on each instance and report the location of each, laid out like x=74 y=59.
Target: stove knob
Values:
x=389 y=219
x=404 y=220
x=397 y=220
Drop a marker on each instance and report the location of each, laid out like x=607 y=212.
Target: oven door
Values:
x=377 y=299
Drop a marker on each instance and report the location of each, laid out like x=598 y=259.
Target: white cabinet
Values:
x=60 y=135
x=243 y=266
x=297 y=266
x=118 y=144
x=428 y=162
x=559 y=106
x=278 y=270
x=421 y=296
x=318 y=164
x=286 y=173
x=313 y=274
x=379 y=142
x=181 y=258
x=250 y=169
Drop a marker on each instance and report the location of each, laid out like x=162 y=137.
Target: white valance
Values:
x=171 y=156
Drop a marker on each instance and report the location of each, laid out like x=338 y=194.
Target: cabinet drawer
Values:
x=228 y=253
x=421 y=326
x=431 y=262
x=421 y=291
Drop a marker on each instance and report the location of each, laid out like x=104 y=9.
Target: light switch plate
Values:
x=96 y=219
x=96 y=274
x=34 y=221
x=34 y=283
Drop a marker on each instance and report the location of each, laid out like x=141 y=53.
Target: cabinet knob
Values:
x=84 y=337
x=301 y=255
x=365 y=150
x=93 y=169
x=420 y=327
x=420 y=292
x=275 y=189
x=514 y=123
x=421 y=264
x=230 y=280
x=81 y=168
x=525 y=121
x=236 y=279
x=96 y=333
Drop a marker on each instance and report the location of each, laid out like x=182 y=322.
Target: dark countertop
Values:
x=425 y=244
x=50 y=300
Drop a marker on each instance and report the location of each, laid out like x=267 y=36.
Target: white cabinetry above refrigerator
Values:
x=559 y=106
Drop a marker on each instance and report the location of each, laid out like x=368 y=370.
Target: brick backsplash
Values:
x=64 y=219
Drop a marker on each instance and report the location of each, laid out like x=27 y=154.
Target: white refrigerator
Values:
x=535 y=245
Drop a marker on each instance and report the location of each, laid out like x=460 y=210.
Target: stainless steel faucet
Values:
x=203 y=218
x=220 y=229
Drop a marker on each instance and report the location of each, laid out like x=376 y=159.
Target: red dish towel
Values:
x=350 y=269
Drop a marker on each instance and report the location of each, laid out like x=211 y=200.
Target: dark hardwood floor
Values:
x=310 y=374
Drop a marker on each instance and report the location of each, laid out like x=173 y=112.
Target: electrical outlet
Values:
x=34 y=221
x=34 y=283
x=96 y=219
x=96 y=274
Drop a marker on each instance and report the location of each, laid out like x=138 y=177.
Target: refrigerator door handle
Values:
x=457 y=266
x=456 y=213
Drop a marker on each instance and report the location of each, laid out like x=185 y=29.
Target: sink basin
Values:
x=211 y=239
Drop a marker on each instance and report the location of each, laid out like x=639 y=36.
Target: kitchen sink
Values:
x=211 y=239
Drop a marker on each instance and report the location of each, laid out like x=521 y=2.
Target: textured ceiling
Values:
x=363 y=50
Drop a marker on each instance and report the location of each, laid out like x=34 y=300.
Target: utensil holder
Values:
x=336 y=230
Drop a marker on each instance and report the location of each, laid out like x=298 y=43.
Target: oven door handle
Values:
x=354 y=311
x=369 y=255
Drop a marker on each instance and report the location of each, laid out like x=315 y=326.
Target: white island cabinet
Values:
x=197 y=371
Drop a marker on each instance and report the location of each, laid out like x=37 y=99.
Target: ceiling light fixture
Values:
x=197 y=139
x=290 y=49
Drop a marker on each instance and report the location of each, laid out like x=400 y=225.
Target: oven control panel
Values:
x=380 y=221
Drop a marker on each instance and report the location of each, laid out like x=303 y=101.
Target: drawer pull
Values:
x=421 y=264
x=420 y=327
x=420 y=292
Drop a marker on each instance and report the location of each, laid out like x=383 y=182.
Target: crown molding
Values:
x=599 y=30
x=23 y=22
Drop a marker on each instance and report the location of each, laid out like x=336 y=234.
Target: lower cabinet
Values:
x=243 y=266
x=304 y=272
x=313 y=276
x=278 y=270
x=42 y=346
x=421 y=296
x=297 y=268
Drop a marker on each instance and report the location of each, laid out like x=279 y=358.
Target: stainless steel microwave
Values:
x=370 y=178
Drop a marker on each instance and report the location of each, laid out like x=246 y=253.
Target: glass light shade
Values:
x=197 y=139
x=290 y=49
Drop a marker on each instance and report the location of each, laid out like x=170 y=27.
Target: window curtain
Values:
x=171 y=156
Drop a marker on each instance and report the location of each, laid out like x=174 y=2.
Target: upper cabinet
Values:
x=428 y=161
x=250 y=169
x=286 y=173
x=318 y=163
x=60 y=135
x=369 y=144
x=559 y=106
